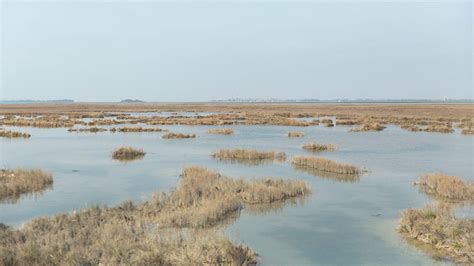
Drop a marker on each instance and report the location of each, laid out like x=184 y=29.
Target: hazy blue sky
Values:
x=184 y=51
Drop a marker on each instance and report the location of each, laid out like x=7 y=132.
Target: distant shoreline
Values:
x=408 y=101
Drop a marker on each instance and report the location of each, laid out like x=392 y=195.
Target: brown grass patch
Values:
x=135 y=129
x=173 y=135
x=319 y=147
x=440 y=229
x=249 y=156
x=326 y=165
x=446 y=187
x=14 y=183
x=295 y=134
x=467 y=131
x=13 y=134
x=88 y=129
x=170 y=229
x=221 y=131
x=443 y=128
x=127 y=154
x=368 y=127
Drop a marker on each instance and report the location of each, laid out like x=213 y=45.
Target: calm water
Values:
x=341 y=223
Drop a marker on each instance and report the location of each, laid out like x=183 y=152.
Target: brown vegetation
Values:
x=410 y=127
x=171 y=229
x=68 y=115
x=295 y=134
x=172 y=135
x=221 y=131
x=127 y=154
x=13 y=134
x=440 y=229
x=467 y=131
x=326 y=165
x=87 y=129
x=14 y=183
x=319 y=147
x=443 y=128
x=135 y=129
x=368 y=127
x=249 y=156
x=446 y=187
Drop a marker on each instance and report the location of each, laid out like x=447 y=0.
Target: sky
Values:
x=200 y=51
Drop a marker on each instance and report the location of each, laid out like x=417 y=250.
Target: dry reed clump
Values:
x=368 y=127
x=295 y=134
x=327 y=122
x=326 y=165
x=13 y=134
x=128 y=153
x=249 y=156
x=410 y=127
x=172 y=228
x=467 y=131
x=347 y=122
x=135 y=129
x=221 y=131
x=439 y=228
x=446 y=187
x=443 y=128
x=319 y=147
x=88 y=129
x=173 y=135
x=14 y=183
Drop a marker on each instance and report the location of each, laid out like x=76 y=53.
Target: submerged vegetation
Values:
x=221 y=131
x=128 y=154
x=173 y=135
x=13 y=134
x=446 y=187
x=295 y=134
x=249 y=156
x=440 y=229
x=326 y=165
x=14 y=183
x=319 y=147
x=171 y=228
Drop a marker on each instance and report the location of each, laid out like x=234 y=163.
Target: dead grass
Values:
x=326 y=165
x=17 y=182
x=295 y=134
x=467 y=131
x=368 y=127
x=88 y=129
x=319 y=147
x=172 y=135
x=221 y=131
x=410 y=127
x=135 y=129
x=175 y=228
x=440 y=229
x=128 y=154
x=68 y=115
x=13 y=134
x=249 y=156
x=446 y=187
x=443 y=128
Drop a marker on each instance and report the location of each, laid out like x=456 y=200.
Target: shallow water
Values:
x=340 y=223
